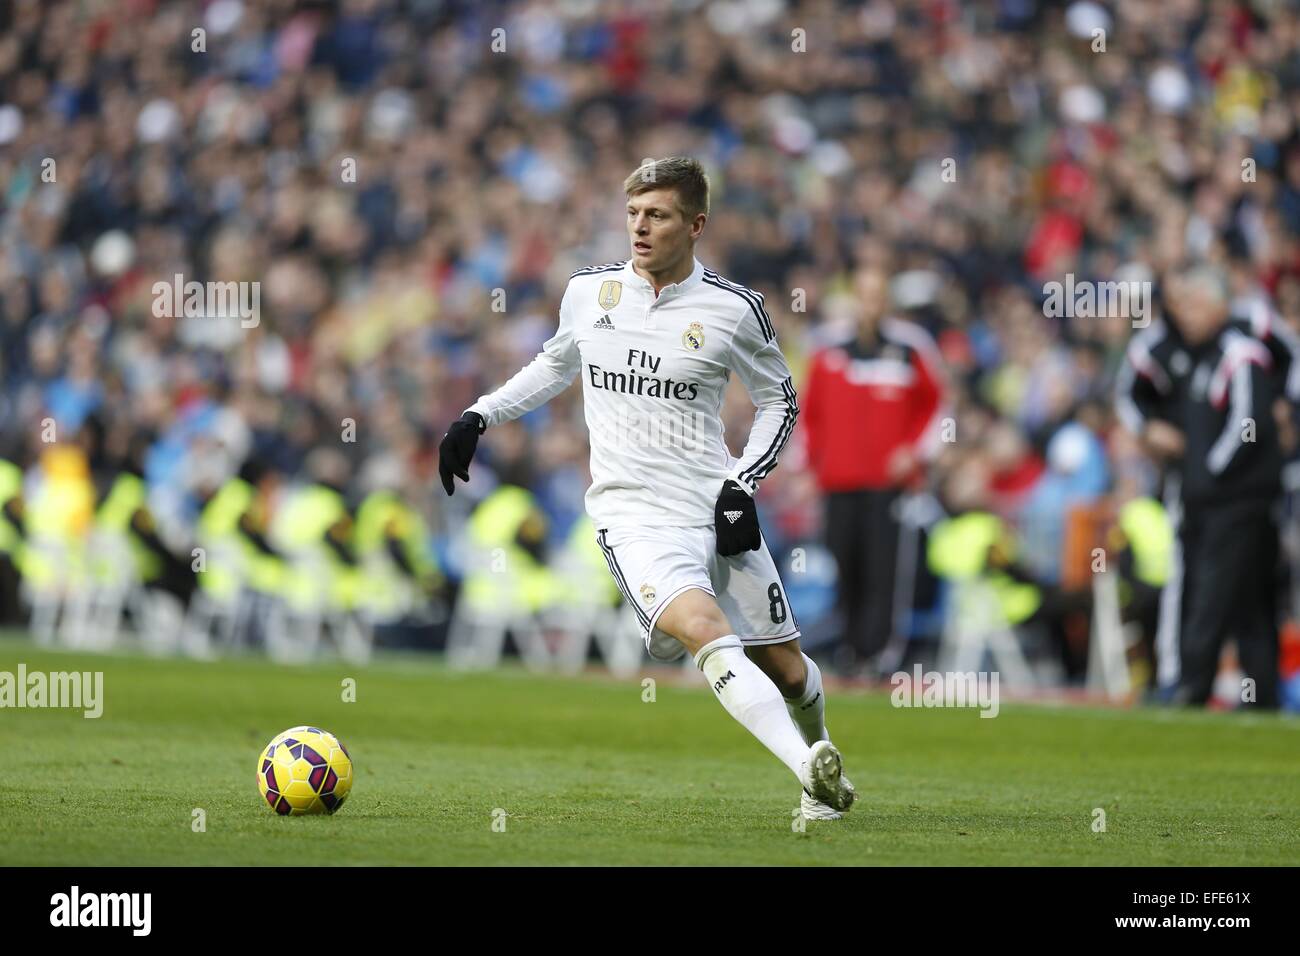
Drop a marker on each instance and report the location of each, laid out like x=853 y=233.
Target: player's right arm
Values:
x=550 y=373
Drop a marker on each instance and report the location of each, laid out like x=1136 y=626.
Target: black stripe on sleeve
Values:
x=749 y=296
x=763 y=466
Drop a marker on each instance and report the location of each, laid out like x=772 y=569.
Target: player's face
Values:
x=660 y=234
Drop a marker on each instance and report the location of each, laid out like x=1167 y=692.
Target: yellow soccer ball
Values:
x=304 y=770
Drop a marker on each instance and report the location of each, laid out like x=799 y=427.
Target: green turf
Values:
x=588 y=773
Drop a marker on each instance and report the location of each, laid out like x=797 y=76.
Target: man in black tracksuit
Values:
x=1205 y=394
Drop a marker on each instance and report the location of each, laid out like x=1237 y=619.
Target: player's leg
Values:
x=664 y=574
x=694 y=619
x=800 y=682
x=751 y=595
x=668 y=569
x=798 y=678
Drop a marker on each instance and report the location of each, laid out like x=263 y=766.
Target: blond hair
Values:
x=683 y=174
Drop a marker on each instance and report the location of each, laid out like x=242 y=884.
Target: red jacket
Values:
x=861 y=405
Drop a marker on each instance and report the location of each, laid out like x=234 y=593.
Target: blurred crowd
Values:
x=412 y=182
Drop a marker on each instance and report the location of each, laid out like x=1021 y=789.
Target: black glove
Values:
x=457 y=449
x=735 y=519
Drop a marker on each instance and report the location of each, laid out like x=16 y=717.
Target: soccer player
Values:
x=655 y=339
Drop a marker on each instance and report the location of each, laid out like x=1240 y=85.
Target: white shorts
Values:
x=654 y=565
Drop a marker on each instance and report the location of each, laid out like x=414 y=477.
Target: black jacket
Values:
x=1220 y=394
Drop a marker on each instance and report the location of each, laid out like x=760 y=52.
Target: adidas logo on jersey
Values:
x=604 y=323
x=732 y=516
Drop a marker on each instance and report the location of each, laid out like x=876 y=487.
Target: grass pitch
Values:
x=589 y=773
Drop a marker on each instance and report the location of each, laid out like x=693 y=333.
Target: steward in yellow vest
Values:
x=507 y=533
x=56 y=522
x=392 y=542
x=12 y=534
x=125 y=512
x=232 y=531
x=977 y=545
x=1142 y=539
x=314 y=531
x=980 y=545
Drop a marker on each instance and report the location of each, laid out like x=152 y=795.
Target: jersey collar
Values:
x=668 y=291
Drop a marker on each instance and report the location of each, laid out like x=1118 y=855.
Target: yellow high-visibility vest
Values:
x=959 y=549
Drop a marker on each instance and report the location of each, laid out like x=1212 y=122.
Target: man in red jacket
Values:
x=872 y=416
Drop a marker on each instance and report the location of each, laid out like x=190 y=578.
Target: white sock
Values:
x=808 y=710
x=750 y=696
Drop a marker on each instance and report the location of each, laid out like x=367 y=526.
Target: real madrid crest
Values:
x=693 y=337
x=611 y=290
x=647 y=593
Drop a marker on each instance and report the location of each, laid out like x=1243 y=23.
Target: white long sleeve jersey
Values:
x=654 y=371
